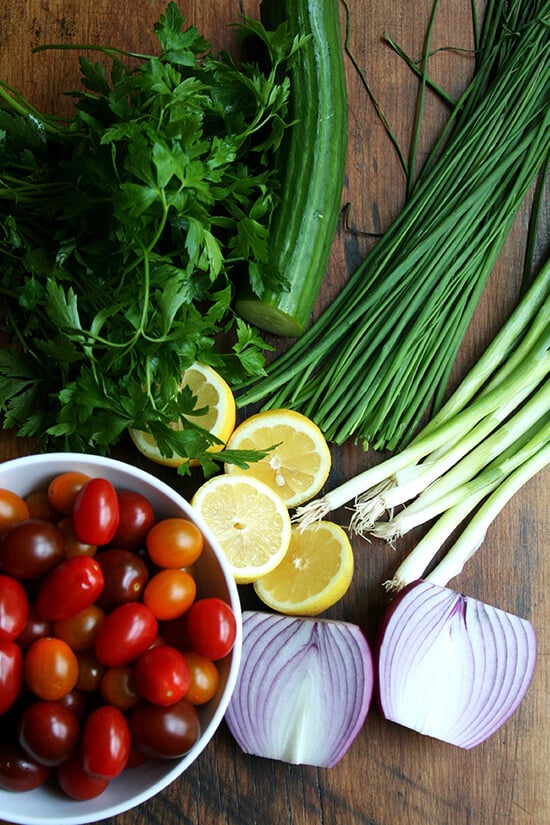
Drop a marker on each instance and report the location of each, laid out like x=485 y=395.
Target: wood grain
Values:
x=390 y=775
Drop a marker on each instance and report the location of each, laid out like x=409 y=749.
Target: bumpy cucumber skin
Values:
x=312 y=165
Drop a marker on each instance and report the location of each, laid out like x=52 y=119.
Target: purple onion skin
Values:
x=501 y=645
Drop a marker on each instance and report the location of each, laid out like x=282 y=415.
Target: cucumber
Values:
x=311 y=163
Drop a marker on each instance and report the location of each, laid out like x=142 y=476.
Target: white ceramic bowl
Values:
x=45 y=805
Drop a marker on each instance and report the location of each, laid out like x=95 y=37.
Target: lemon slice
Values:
x=298 y=467
x=248 y=519
x=314 y=574
x=211 y=391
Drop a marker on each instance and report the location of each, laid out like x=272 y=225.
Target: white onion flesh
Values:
x=303 y=690
x=452 y=667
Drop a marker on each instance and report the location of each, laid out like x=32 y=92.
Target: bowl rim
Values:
x=89 y=811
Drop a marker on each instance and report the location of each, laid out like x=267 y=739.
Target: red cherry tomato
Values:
x=136 y=519
x=205 y=678
x=14 y=607
x=95 y=512
x=170 y=593
x=75 y=782
x=211 y=628
x=125 y=574
x=30 y=548
x=13 y=508
x=50 y=668
x=105 y=742
x=174 y=542
x=48 y=732
x=162 y=675
x=125 y=633
x=164 y=732
x=63 y=490
x=11 y=673
x=69 y=588
x=18 y=771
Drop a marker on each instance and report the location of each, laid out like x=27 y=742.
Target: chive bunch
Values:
x=382 y=352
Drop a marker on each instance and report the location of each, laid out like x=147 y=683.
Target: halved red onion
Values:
x=450 y=666
x=303 y=690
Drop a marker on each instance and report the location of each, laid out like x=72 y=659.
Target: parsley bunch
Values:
x=123 y=231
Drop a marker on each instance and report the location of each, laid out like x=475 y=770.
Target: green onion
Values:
x=375 y=360
x=503 y=397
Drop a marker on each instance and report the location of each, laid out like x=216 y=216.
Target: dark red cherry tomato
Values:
x=11 y=673
x=18 y=771
x=125 y=633
x=30 y=548
x=35 y=627
x=74 y=547
x=48 y=732
x=136 y=519
x=164 y=732
x=95 y=512
x=14 y=607
x=162 y=675
x=105 y=742
x=69 y=588
x=211 y=628
x=75 y=782
x=125 y=575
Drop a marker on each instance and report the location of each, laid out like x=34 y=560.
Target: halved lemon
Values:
x=210 y=390
x=248 y=519
x=314 y=574
x=299 y=464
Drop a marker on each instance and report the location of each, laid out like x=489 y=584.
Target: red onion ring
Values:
x=450 y=666
x=303 y=690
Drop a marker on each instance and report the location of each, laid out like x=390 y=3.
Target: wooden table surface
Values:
x=390 y=776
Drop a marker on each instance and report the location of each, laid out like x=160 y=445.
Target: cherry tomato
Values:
x=95 y=512
x=11 y=673
x=170 y=593
x=174 y=542
x=74 y=547
x=164 y=732
x=80 y=630
x=125 y=574
x=13 y=508
x=205 y=678
x=35 y=627
x=18 y=771
x=14 y=607
x=40 y=507
x=90 y=671
x=125 y=633
x=162 y=675
x=30 y=548
x=78 y=701
x=75 y=782
x=50 y=668
x=63 y=490
x=118 y=687
x=69 y=588
x=105 y=742
x=136 y=519
x=48 y=732
x=211 y=628
x=174 y=632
